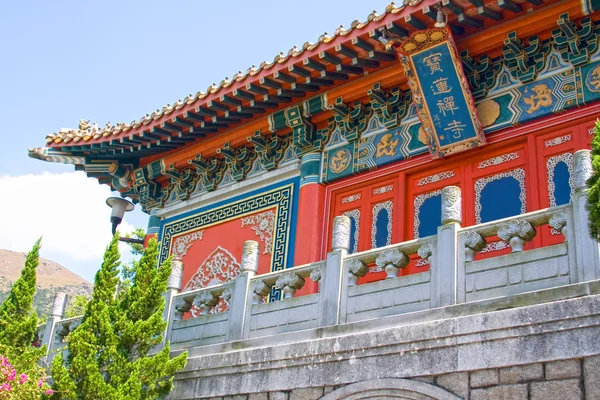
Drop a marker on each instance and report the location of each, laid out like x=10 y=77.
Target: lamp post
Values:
x=119 y=207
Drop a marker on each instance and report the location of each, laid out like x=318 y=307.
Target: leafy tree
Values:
x=77 y=306
x=128 y=270
x=18 y=320
x=109 y=353
x=18 y=326
x=593 y=197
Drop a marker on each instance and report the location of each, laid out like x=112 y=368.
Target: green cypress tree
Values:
x=109 y=353
x=18 y=320
x=593 y=197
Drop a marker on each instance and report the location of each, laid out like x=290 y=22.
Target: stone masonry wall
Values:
x=574 y=379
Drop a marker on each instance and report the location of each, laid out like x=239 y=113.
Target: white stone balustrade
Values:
x=455 y=276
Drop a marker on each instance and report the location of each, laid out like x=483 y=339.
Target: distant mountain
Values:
x=51 y=278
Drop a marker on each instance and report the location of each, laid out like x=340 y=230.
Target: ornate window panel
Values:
x=263 y=225
x=354 y=216
x=182 y=244
x=436 y=178
x=383 y=189
x=551 y=165
x=490 y=162
x=350 y=199
x=418 y=202
x=380 y=211
x=517 y=174
x=557 y=141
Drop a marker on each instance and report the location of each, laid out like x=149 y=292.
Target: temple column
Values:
x=153 y=225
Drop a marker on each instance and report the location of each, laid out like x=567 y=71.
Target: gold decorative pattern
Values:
x=340 y=161
x=386 y=146
x=488 y=111
x=542 y=97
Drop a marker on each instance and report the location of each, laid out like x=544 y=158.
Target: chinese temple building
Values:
x=348 y=218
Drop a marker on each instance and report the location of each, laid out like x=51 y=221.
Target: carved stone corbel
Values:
x=558 y=222
x=474 y=243
x=391 y=261
x=356 y=269
x=204 y=301
x=516 y=233
x=259 y=291
x=181 y=307
x=289 y=282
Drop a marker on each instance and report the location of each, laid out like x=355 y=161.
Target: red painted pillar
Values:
x=311 y=211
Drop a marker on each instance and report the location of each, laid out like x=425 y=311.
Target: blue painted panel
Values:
x=444 y=96
x=381 y=224
x=353 y=237
x=562 y=189
x=430 y=216
x=500 y=199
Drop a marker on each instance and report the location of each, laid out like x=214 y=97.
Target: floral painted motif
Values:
x=263 y=225
x=183 y=243
x=219 y=267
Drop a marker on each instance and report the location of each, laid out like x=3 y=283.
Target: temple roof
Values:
x=291 y=77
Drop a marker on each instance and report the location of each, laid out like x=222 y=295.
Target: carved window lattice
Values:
x=557 y=141
x=354 y=215
x=183 y=243
x=551 y=164
x=436 y=178
x=518 y=174
x=350 y=199
x=490 y=162
x=383 y=189
x=263 y=225
x=377 y=208
x=219 y=267
x=494 y=246
x=418 y=202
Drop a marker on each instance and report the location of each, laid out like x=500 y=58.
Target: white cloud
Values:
x=67 y=209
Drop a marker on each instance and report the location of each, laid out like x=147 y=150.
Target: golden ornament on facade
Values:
x=488 y=112
x=340 y=161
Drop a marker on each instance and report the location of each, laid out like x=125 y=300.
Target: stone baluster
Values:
x=516 y=233
x=391 y=261
x=205 y=301
x=260 y=290
x=316 y=274
x=425 y=251
x=289 y=282
x=62 y=331
x=356 y=269
x=181 y=306
x=558 y=222
x=334 y=282
x=474 y=243
x=58 y=311
x=445 y=268
x=242 y=293
x=226 y=295
x=586 y=248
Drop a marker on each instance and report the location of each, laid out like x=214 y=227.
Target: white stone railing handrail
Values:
x=535 y=218
x=409 y=248
x=303 y=271
x=215 y=290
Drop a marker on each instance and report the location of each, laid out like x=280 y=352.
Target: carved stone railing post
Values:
x=58 y=310
x=334 y=282
x=586 y=248
x=181 y=306
x=241 y=295
x=516 y=233
x=445 y=267
x=356 y=269
x=288 y=283
x=173 y=288
x=391 y=261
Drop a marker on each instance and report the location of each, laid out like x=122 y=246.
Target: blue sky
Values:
x=115 y=61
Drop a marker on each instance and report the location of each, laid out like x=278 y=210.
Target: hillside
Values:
x=51 y=278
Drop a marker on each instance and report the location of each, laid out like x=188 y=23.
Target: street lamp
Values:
x=119 y=207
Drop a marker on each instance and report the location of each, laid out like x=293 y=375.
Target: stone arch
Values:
x=391 y=388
